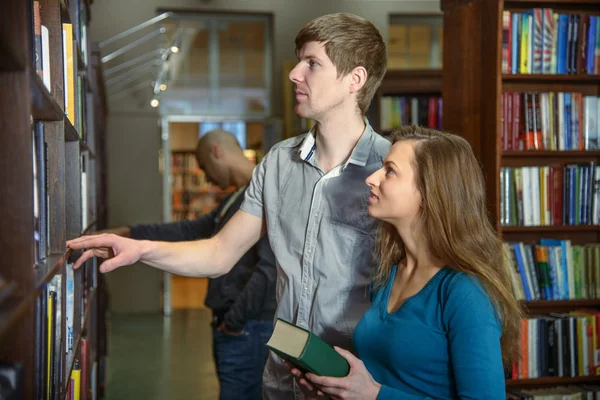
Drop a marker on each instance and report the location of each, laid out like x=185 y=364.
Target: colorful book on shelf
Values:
x=69 y=72
x=306 y=350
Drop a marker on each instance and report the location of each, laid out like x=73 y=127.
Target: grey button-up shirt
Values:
x=322 y=238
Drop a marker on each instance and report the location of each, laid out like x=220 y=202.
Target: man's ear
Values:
x=216 y=150
x=358 y=78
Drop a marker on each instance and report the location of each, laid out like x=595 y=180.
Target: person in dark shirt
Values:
x=242 y=301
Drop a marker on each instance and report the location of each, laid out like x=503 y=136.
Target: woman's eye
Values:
x=389 y=171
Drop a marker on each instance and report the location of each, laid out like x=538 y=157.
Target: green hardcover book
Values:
x=306 y=350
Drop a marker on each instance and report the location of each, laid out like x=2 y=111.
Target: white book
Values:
x=46 y=58
x=561 y=121
x=66 y=79
x=70 y=310
x=527 y=200
x=596 y=198
x=534 y=175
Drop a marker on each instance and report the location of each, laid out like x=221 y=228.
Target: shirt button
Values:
x=306 y=288
x=308 y=251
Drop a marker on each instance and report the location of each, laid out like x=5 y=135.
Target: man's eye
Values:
x=312 y=63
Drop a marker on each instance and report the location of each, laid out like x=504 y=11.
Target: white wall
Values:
x=133 y=136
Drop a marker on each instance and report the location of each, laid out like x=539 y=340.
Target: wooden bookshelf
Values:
x=551 y=381
x=425 y=82
x=472 y=87
x=36 y=131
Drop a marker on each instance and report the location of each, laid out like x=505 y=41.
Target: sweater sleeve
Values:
x=200 y=228
x=474 y=331
x=388 y=393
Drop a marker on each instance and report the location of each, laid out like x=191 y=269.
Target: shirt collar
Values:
x=359 y=155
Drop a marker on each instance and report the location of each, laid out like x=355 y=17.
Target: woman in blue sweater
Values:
x=443 y=314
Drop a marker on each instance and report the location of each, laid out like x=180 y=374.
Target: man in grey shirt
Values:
x=308 y=194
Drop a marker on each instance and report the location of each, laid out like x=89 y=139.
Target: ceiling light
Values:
x=154 y=103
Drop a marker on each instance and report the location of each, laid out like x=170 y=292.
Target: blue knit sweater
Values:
x=442 y=343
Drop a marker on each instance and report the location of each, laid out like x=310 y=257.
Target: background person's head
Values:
x=217 y=152
x=351 y=62
x=432 y=181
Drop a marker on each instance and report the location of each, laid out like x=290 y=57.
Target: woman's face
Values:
x=394 y=196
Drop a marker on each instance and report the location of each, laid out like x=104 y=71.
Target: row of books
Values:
x=183 y=162
x=550 y=196
x=573 y=392
x=75 y=85
x=54 y=353
x=549 y=121
x=41 y=193
x=561 y=345
x=554 y=270
x=397 y=111
x=540 y=41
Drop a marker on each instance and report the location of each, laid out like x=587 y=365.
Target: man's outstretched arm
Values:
x=202 y=258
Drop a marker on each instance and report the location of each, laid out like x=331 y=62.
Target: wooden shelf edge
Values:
x=53 y=263
x=89 y=227
x=554 y=228
x=91 y=299
x=574 y=78
x=71 y=134
x=43 y=106
x=550 y=153
x=555 y=304
x=551 y=380
x=84 y=147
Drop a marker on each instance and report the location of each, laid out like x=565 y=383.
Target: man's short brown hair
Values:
x=350 y=41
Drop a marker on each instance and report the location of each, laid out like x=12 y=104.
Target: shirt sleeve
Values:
x=253 y=198
x=474 y=333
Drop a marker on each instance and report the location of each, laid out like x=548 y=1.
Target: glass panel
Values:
x=223 y=68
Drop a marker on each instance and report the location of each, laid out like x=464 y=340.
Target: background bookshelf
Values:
x=51 y=123
x=476 y=75
x=394 y=102
x=192 y=194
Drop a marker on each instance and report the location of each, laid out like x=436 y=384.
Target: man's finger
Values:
x=84 y=257
x=112 y=264
x=88 y=242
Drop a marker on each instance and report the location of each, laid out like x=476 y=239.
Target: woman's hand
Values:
x=358 y=384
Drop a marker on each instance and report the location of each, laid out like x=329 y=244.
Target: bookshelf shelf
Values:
x=83 y=146
x=551 y=381
x=51 y=266
x=412 y=82
x=44 y=107
x=88 y=229
x=561 y=154
x=71 y=134
x=543 y=229
x=551 y=78
x=562 y=305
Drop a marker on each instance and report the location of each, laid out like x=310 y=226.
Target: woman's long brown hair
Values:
x=455 y=221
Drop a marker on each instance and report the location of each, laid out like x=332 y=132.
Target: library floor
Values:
x=157 y=358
